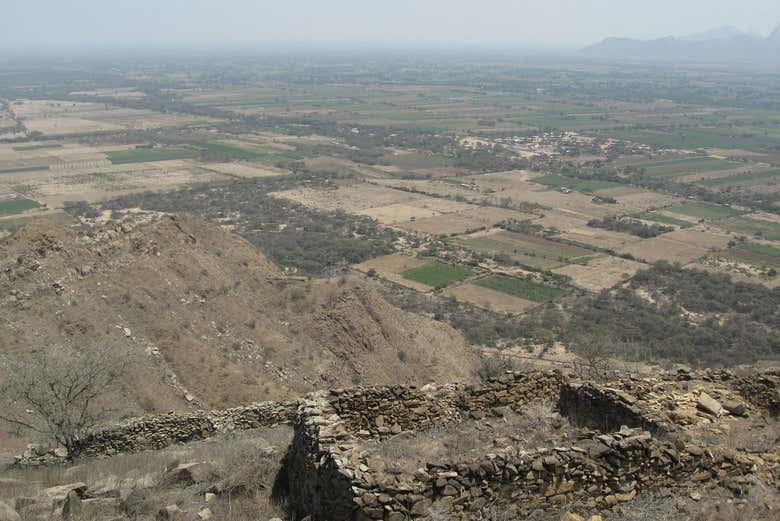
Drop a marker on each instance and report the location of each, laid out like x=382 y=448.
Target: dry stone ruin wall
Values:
x=632 y=448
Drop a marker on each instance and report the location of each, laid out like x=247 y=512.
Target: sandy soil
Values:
x=665 y=248
x=245 y=170
x=391 y=266
x=486 y=298
x=601 y=273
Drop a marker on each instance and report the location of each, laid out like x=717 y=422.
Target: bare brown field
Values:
x=128 y=93
x=486 y=298
x=53 y=117
x=391 y=266
x=718 y=174
x=599 y=238
x=644 y=200
x=245 y=170
x=471 y=217
x=398 y=213
x=437 y=187
x=55 y=187
x=515 y=186
x=601 y=273
x=349 y=198
x=701 y=236
x=663 y=248
x=443 y=224
x=575 y=228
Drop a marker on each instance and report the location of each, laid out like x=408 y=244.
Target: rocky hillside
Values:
x=210 y=321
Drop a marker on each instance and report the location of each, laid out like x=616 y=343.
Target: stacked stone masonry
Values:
x=631 y=448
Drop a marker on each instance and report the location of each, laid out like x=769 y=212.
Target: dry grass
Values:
x=534 y=425
x=246 y=465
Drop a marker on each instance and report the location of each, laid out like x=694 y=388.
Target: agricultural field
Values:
x=437 y=274
x=62 y=118
x=443 y=160
x=754 y=227
x=99 y=181
x=148 y=155
x=683 y=246
x=489 y=299
x=524 y=289
x=744 y=180
x=245 y=170
x=391 y=267
x=682 y=167
x=662 y=219
x=601 y=273
x=762 y=255
x=17 y=206
x=525 y=249
x=572 y=183
x=704 y=211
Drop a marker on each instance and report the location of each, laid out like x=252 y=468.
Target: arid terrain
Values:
x=323 y=290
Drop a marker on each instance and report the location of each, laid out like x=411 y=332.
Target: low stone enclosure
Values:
x=623 y=438
x=634 y=435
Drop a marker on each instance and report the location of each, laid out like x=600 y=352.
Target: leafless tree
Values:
x=594 y=361
x=54 y=392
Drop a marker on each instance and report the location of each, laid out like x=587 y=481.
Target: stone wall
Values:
x=157 y=432
x=380 y=411
x=631 y=448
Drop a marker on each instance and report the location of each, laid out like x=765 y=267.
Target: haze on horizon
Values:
x=550 y=24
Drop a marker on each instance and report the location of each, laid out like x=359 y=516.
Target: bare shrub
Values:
x=491 y=367
x=248 y=470
x=55 y=392
x=594 y=362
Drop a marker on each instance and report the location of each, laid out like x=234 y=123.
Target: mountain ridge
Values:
x=724 y=44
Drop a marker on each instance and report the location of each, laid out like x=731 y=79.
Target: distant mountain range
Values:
x=724 y=44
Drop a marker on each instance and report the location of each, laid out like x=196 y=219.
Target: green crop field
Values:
x=521 y=288
x=656 y=217
x=756 y=227
x=23 y=169
x=15 y=206
x=581 y=185
x=680 y=167
x=437 y=274
x=26 y=148
x=705 y=211
x=747 y=178
x=763 y=249
x=144 y=155
x=740 y=138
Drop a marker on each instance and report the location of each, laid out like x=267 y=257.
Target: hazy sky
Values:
x=558 y=23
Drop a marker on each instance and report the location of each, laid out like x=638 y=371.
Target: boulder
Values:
x=72 y=508
x=171 y=513
x=735 y=408
x=190 y=474
x=710 y=405
x=100 y=508
x=8 y=514
x=570 y=516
